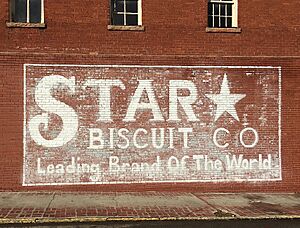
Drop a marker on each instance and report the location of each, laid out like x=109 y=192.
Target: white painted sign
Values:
x=88 y=124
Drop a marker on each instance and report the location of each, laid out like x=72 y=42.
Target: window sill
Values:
x=125 y=28
x=25 y=25
x=224 y=30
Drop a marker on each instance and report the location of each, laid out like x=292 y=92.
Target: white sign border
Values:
x=154 y=66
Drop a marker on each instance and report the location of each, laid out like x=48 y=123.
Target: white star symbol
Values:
x=225 y=101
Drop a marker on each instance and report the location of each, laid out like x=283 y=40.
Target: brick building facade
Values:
x=225 y=91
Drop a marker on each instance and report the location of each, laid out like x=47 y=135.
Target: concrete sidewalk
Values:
x=44 y=207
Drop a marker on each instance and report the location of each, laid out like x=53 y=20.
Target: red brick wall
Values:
x=269 y=28
x=174 y=35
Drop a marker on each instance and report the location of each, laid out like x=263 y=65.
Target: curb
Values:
x=127 y=219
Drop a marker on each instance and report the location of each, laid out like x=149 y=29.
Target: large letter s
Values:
x=49 y=104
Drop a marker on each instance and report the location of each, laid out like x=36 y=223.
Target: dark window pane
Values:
x=229 y=22
x=210 y=21
x=216 y=22
x=131 y=19
x=20 y=11
x=223 y=22
x=223 y=6
x=229 y=10
x=118 y=19
x=131 y=6
x=35 y=11
x=119 y=5
x=113 y=5
x=216 y=9
x=210 y=11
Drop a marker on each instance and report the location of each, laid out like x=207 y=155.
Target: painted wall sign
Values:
x=138 y=124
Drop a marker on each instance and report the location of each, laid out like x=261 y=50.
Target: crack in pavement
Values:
x=48 y=206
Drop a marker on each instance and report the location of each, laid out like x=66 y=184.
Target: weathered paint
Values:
x=131 y=124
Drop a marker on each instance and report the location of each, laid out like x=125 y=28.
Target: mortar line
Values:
x=93 y=54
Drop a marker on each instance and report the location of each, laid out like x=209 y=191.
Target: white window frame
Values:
x=234 y=10
x=124 y=13
x=28 y=12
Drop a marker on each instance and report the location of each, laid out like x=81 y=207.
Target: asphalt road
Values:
x=264 y=223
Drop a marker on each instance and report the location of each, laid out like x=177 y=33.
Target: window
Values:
x=222 y=13
x=126 y=12
x=27 y=11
